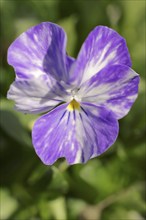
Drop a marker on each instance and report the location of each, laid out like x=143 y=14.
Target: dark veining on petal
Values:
x=61 y=118
x=87 y=133
x=68 y=118
x=74 y=115
x=84 y=111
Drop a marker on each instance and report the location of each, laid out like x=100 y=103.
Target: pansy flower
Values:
x=82 y=98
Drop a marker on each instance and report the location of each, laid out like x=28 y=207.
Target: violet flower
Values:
x=83 y=97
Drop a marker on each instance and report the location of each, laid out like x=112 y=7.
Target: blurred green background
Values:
x=110 y=187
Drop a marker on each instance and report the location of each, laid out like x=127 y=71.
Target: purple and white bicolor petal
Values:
x=38 y=51
x=36 y=96
x=69 y=62
x=76 y=135
x=115 y=87
x=85 y=97
x=103 y=47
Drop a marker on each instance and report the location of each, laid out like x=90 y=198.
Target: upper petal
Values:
x=36 y=95
x=77 y=135
x=115 y=87
x=40 y=50
x=102 y=47
x=69 y=62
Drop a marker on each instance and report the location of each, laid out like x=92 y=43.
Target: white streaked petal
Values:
x=36 y=95
x=114 y=87
x=39 y=51
x=102 y=47
x=55 y=135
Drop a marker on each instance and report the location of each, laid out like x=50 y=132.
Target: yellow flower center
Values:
x=73 y=105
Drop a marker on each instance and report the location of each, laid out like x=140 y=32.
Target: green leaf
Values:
x=98 y=177
x=8 y=204
x=26 y=120
x=47 y=179
x=12 y=126
x=75 y=206
x=59 y=181
x=59 y=205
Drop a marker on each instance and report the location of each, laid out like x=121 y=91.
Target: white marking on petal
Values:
x=132 y=97
x=72 y=147
x=94 y=67
x=28 y=52
x=69 y=136
x=78 y=157
x=36 y=38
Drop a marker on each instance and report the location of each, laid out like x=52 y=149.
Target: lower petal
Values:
x=77 y=135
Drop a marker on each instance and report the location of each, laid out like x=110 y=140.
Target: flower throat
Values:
x=73 y=105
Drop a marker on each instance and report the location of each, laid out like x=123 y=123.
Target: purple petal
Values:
x=36 y=95
x=40 y=50
x=102 y=47
x=77 y=135
x=115 y=87
x=69 y=62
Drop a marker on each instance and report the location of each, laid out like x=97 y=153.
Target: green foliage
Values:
x=110 y=187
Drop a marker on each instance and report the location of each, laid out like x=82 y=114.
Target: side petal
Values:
x=115 y=87
x=102 y=47
x=36 y=96
x=40 y=50
x=77 y=135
